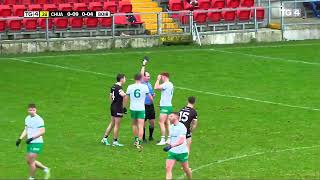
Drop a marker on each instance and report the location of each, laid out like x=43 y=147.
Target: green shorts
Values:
x=138 y=114
x=183 y=157
x=165 y=110
x=35 y=148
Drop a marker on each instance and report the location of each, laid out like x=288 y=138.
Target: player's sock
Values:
x=136 y=139
x=151 y=131
x=106 y=136
x=115 y=139
x=144 y=134
x=163 y=138
x=31 y=178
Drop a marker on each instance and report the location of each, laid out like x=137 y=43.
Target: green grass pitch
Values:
x=258 y=107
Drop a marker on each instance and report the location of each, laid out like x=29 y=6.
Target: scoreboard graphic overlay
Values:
x=67 y=14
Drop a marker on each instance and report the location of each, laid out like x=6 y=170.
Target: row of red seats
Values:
x=30 y=25
x=225 y=15
x=17 y=10
x=27 y=2
x=178 y=5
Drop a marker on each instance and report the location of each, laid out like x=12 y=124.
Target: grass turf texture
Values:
x=75 y=107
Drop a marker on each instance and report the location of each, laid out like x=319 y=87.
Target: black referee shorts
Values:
x=150 y=112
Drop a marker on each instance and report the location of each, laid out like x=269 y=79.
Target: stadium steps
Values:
x=150 y=20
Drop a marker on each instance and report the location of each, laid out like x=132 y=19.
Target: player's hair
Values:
x=192 y=99
x=120 y=76
x=145 y=73
x=137 y=77
x=31 y=105
x=166 y=74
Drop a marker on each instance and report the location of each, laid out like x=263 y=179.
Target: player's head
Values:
x=146 y=77
x=121 y=78
x=32 y=110
x=165 y=76
x=192 y=100
x=174 y=117
x=137 y=77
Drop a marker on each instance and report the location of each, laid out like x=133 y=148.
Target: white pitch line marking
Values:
x=249 y=155
x=178 y=87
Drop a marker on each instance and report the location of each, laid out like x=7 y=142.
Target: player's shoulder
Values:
x=39 y=118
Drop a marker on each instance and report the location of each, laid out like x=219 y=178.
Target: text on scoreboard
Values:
x=66 y=14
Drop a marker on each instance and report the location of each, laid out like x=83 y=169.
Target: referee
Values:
x=150 y=112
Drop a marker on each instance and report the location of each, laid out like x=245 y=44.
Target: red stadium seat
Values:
x=80 y=7
x=218 y=4
x=125 y=6
x=105 y=22
x=229 y=16
x=10 y=2
x=184 y=18
x=30 y=24
x=259 y=12
x=214 y=17
x=5 y=10
x=138 y=18
x=72 y=1
x=204 y=4
x=243 y=15
x=34 y=7
x=56 y=2
x=233 y=3
x=200 y=17
x=64 y=7
x=85 y=1
x=76 y=23
x=175 y=5
x=120 y=20
x=50 y=7
x=41 y=1
x=187 y=5
x=110 y=6
x=247 y=3
x=95 y=6
x=91 y=23
x=42 y=23
x=3 y=25
x=14 y=25
x=18 y=10
x=61 y=23
x=26 y=2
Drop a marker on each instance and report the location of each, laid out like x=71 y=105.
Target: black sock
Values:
x=151 y=131
x=144 y=134
x=106 y=136
x=115 y=140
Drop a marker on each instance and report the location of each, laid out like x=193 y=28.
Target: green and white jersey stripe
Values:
x=33 y=124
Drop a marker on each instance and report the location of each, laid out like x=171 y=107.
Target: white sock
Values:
x=163 y=138
x=31 y=178
x=46 y=170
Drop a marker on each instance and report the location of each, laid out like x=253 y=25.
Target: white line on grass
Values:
x=249 y=155
x=266 y=57
x=178 y=87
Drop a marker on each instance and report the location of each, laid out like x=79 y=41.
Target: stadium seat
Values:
x=214 y=17
x=14 y=24
x=259 y=12
x=30 y=24
x=247 y=3
x=56 y=2
x=105 y=22
x=125 y=6
x=76 y=23
x=229 y=15
x=79 y=7
x=200 y=17
x=3 y=25
x=42 y=23
x=65 y=7
x=10 y=2
x=110 y=6
x=72 y=1
x=85 y=1
x=175 y=5
x=243 y=15
x=50 y=7
x=26 y=2
x=18 y=10
x=204 y=4
x=95 y=6
x=233 y=3
x=91 y=23
x=187 y=5
x=120 y=20
x=34 y=7
x=5 y=11
x=138 y=19
x=61 y=23
x=41 y=1
x=218 y=4
x=184 y=18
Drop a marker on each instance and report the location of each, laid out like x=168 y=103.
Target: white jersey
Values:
x=166 y=94
x=137 y=93
x=33 y=124
x=176 y=131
